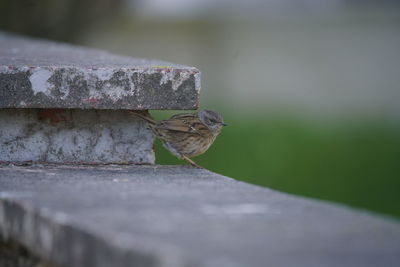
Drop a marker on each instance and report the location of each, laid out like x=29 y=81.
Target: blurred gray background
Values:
x=321 y=58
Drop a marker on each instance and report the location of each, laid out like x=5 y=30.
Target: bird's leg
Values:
x=194 y=164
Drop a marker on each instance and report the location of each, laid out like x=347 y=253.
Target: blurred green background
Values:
x=310 y=89
x=356 y=163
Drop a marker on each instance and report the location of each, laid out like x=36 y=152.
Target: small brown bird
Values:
x=187 y=135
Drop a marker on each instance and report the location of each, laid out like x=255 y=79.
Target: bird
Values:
x=186 y=135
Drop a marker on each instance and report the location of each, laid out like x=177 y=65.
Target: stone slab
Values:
x=74 y=135
x=179 y=216
x=43 y=74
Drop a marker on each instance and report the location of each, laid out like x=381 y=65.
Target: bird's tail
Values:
x=144 y=115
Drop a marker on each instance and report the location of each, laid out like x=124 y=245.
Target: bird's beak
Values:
x=224 y=124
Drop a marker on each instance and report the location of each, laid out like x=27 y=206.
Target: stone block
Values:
x=65 y=103
x=179 y=216
x=74 y=136
x=43 y=74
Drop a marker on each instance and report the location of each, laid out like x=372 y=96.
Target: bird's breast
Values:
x=194 y=145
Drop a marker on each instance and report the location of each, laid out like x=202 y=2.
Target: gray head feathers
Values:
x=212 y=119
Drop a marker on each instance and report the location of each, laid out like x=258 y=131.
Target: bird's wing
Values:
x=182 y=123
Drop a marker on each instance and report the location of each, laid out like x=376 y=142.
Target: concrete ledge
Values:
x=63 y=103
x=180 y=216
x=43 y=74
x=79 y=136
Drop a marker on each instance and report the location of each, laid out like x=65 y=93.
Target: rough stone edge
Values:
x=128 y=140
x=45 y=235
x=102 y=88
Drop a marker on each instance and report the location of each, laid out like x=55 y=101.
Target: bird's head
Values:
x=212 y=119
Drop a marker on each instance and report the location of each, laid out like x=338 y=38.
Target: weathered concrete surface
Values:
x=180 y=216
x=42 y=74
x=90 y=136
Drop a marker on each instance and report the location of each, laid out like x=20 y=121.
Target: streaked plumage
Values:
x=189 y=134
